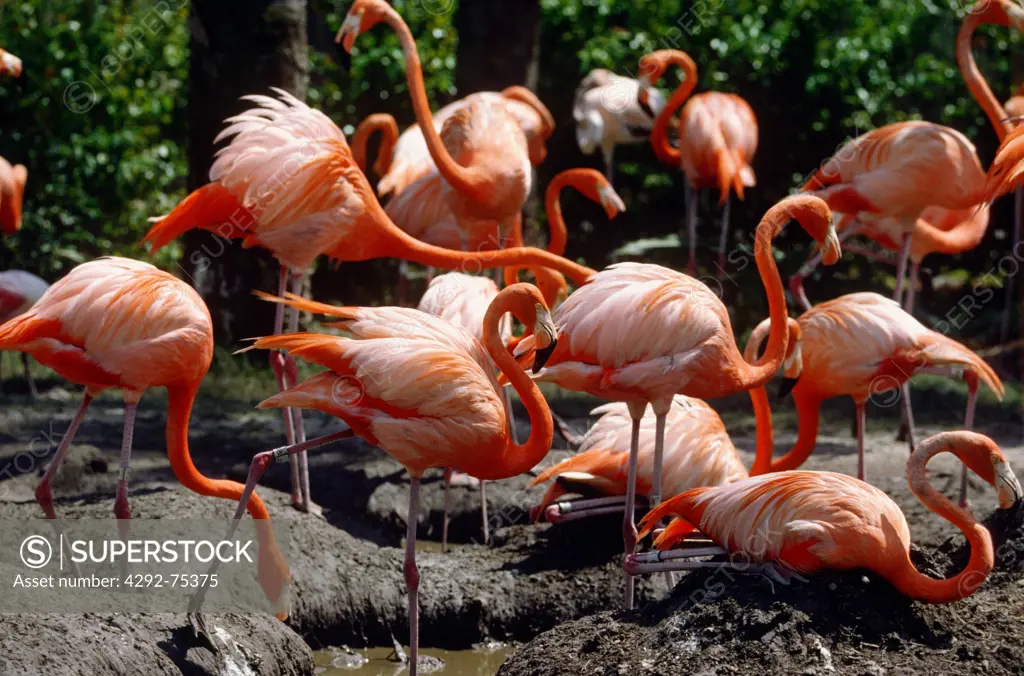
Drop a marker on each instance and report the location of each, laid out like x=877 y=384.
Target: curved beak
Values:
x=831 y=251
x=610 y=200
x=541 y=356
x=1007 y=486
x=346 y=36
x=786 y=386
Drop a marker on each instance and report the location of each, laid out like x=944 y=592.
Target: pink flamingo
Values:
x=12 y=195
x=423 y=390
x=789 y=524
x=19 y=291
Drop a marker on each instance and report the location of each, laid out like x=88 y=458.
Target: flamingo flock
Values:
x=431 y=386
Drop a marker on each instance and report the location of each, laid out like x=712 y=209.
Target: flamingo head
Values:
x=982 y=456
x=815 y=217
x=652 y=66
x=545 y=336
x=361 y=17
x=793 y=364
x=999 y=12
x=9 y=64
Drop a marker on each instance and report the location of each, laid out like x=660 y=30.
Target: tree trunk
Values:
x=238 y=47
x=498 y=41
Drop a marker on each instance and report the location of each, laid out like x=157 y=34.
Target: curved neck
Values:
x=527 y=97
x=659 y=132
x=765 y=434
x=907 y=578
x=392 y=242
x=807 y=410
x=966 y=235
x=558 y=234
x=463 y=179
x=518 y=458
x=761 y=371
x=976 y=83
x=385 y=124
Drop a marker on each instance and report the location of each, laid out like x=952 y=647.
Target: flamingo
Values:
x=12 y=194
x=9 y=64
x=938 y=229
x=19 y=291
x=120 y=323
x=423 y=390
x=609 y=113
x=287 y=182
x=862 y=345
x=793 y=523
x=463 y=299
x=717 y=141
x=481 y=155
x=642 y=333
x=699 y=452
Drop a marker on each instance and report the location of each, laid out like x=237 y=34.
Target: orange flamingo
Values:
x=12 y=194
x=717 y=141
x=698 y=452
x=287 y=182
x=120 y=323
x=642 y=333
x=863 y=345
x=793 y=523
x=423 y=390
x=482 y=155
x=19 y=291
x=941 y=230
x=9 y=64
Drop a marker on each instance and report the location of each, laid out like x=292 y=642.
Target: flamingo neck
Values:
x=463 y=179
x=385 y=124
x=659 y=132
x=976 y=82
x=807 y=410
x=906 y=577
x=517 y=458
x=558 y=234
x=765 y=433
x=963 y=237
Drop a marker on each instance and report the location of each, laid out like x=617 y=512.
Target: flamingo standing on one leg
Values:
x=642 y=333
x=426 y=392
x=463 y=299
x=608 y=113
x=717 y=142
x=793 y=523
x=863 y=345
x=287 y=182
x=9 y=64
x=120 y=323
x=19 y=291
x=12 y=195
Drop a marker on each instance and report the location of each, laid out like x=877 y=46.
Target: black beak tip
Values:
x=786 y=386
x=541 y=356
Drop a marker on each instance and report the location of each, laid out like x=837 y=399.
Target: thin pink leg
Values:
x=277 y=363
x=412 y=575
x=292 y=369
x=906 y=430
x=691 y=227
x=972 y=399
x=723 y=241
x=121 y=510
x=861 y=420
x=43 y=494
x=32 y=391
x=796 y=282
x=629 y=532
x=908 y=303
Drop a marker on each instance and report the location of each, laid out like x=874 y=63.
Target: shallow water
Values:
x=483 y=660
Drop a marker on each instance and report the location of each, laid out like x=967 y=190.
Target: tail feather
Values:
x=307 y=305
x=1007 y=169
x=211 y=208
x=674 y=533
x=597 y=461
x=26 y=328
x=943 y=351
x=825 y=176
x=327 y=351
x=682 y=505
x=727 y=174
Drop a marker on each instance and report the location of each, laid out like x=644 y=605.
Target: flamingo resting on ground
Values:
x=287 y=182
x=463 y=299
x=642 y=333
x=120 y=323
x=608 y=113
x=425 y=391
x=19 y=291
x=12 y=195
x=717 y=142
x=9 y=64
x=864 y=345
x=790 y=524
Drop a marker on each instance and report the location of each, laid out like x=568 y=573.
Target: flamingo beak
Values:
x=349 y=31
x=610 y=200
x=542 y=355
x=1007 y=486
x=831 y=250
x=786 y=386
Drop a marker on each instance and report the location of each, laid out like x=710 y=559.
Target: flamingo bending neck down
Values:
x=793 y=523
x=120 y=323
x=19 y=291
x=424 y=391
x=642 y=333
x=717 y=141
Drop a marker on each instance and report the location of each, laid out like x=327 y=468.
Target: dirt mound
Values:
x=849 y=623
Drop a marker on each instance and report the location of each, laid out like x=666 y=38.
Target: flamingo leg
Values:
x=906 y=431
x=292 y=371
x=1018 y=205
x=773 y=571
x=691 y=226
x=412 y=575
x=571 y=436
x=915 y=272
x=32 y=391
x=43 y=494
x=723 y=241
x=972 y=400
x=796 y=282
x=258 y=467
x=573 y=510
x=277 y=363
x=659 y=453
x=122 y=512
x=629 y=532
x=447 y=505
x=861 y=422
x=901 y=268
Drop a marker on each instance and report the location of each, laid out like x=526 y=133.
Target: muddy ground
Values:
x=347 y=566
